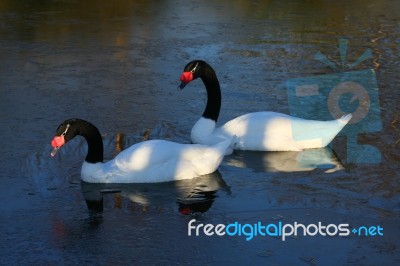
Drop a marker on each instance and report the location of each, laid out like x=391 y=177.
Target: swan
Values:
x=258 y=131
x=145 y=162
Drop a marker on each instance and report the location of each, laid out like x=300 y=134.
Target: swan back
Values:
x=157 y=161
x=269 y=131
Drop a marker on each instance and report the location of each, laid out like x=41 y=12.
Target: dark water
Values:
x=117 y=65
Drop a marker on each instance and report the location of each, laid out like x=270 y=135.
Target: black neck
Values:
x=211 y=82
x=94 y=141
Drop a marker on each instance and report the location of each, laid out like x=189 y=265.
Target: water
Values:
x=117 y=65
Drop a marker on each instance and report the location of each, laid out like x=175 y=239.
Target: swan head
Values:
x=65 y=132
x=193 y=70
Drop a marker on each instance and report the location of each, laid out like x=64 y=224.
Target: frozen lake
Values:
x=118 y=66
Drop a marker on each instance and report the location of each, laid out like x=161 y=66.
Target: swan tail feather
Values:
x=226 y=145
x=342 y=122
x=212 y=157
x=345 y=118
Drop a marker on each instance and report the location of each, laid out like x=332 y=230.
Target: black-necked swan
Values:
x=144 y=162
x=259 y=131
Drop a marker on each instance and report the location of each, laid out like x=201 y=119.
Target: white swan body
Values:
x=146 y=162
x=269 y=131
x=260 y=131
x=157 y=161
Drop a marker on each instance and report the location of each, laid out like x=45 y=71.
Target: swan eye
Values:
x=187 y=76
x=66 y=130
x=194 y=69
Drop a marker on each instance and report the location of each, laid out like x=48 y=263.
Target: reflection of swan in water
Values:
x=286 y=161
x=192 y=195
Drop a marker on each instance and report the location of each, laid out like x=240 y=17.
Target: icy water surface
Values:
x=118 y=66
